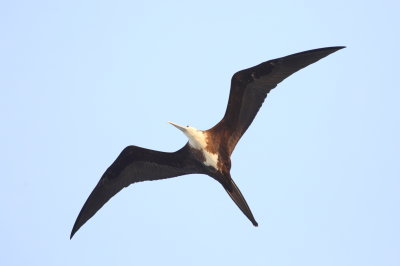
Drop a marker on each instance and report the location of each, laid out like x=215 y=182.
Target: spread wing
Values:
x=249 y=88
x=134 y=164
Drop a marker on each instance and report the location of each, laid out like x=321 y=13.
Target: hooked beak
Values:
x=182 y=128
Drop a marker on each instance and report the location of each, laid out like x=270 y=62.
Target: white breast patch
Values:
x=197 y=140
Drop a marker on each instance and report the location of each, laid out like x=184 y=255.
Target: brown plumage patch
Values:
x=216 y=144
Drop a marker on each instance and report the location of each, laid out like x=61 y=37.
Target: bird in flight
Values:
x=207 y=151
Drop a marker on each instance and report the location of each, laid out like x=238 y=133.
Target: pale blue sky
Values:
x=319 y=167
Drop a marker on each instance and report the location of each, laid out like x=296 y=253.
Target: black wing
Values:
x=249 y=88
x=134 y=164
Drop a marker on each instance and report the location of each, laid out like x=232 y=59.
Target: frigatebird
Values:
x=207 y=151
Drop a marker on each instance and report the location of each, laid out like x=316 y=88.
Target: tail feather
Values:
x=238 y=198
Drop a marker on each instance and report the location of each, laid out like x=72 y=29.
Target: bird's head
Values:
x=191 y=132
x=187 y=130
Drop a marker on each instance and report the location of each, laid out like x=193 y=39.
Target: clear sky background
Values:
x=319 y=167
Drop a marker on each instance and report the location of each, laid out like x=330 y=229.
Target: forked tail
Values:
x=238 y=198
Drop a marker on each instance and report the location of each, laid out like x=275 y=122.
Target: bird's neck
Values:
x=199 y=140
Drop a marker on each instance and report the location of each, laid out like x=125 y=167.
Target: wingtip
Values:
x=72 y=234
x=339 y=47
x=324 y=50
x=335 y=47
x=329 y=50
x=75 y=228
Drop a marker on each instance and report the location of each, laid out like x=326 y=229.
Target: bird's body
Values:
x=200 y=140
x=207 y=151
